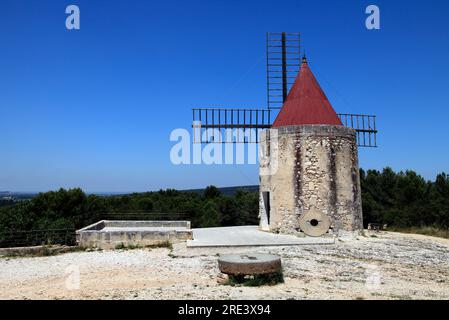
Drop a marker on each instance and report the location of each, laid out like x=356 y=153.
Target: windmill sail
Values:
x=283 y=53
x=243 y=125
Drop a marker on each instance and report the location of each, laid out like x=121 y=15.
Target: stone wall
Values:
x=309 y=166
x=108 y=234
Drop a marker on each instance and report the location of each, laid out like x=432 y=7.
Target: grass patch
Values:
x=428 y=231
x=122 y=246
x=163 y=244
x=43 y=251
x=270 y=279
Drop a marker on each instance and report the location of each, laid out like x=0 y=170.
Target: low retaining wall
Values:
x=108 y=234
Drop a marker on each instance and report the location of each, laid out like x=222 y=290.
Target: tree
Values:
x=210 y=216
x=211 y=192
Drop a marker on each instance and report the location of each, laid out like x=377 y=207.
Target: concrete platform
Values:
x=247 y=236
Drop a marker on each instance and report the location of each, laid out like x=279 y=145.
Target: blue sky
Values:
x=94 y=108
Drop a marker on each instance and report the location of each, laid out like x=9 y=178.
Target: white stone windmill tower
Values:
x=309 y=172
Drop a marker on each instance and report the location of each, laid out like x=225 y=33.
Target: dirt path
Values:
x=376 y=266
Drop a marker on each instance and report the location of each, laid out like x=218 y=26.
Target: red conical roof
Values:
x=306 y=103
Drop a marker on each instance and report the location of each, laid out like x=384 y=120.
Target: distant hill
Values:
x=228 y=191
x=19 y=196
x=9 y=198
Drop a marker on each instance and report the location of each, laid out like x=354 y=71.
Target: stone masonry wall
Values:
x=314 y=166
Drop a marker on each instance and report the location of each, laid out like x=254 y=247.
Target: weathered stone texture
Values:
x=314 y=166
x=249 y=264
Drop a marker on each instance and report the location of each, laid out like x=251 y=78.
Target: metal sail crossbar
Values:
x=283 y=62
x=364 y=126
x=229 y=125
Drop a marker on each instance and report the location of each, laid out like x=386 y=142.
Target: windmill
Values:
x=311 y=183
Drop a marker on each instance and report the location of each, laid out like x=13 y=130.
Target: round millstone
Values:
x=249 y=264
x=314 y=223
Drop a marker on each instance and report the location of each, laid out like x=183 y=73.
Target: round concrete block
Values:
x=249 y=264
x=314 y=223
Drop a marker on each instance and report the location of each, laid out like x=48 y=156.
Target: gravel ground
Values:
x=376 y=266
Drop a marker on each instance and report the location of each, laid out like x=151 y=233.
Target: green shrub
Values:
x=269 y=279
